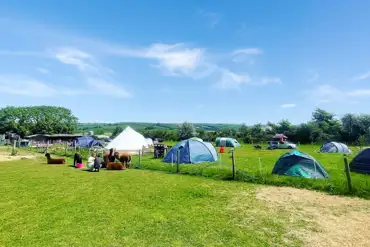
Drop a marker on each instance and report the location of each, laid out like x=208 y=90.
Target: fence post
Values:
x=348 y=174
x=139 y=166
x=13 y=148
x=47 y=146
x=66 y=147
x=233 y=163
x=74 y=144
x=259 y=161
x=178 y=161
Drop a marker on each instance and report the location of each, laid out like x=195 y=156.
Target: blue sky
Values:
x=199 y=61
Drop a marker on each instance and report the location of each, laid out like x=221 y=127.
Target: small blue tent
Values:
x=334 y=147
x=192 y=152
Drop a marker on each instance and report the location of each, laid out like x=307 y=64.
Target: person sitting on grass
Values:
x=90 y=162
x=97 y=163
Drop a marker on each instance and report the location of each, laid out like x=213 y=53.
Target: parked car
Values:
x=281 y=145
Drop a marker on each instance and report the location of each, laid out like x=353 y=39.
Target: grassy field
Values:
x=256 y=166
x=57 y=205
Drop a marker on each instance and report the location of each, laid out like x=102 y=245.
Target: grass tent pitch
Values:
x=192 y=152
x=298 y=164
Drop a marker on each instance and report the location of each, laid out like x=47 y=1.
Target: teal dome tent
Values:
x=298 y=164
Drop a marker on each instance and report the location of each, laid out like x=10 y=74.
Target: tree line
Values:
x=37 y=120
x=323 y=126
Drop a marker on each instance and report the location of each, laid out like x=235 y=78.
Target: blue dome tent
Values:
x=192 y=152
x=334 y=147
x=87 y=142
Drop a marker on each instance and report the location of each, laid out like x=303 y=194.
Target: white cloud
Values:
x=73 y=56
x=180 y=60
x=363 y=76
x=213 y=19
x=248 y=51
x=243 y=55
x=327 y=93
x=108 y=88
x=359 y=92
x=268 y=80
x=26 y=86
x=43 y=70
x=177 y=59
x=231 y=80
x=173 y=59
x=97 y=77
x=288 y=105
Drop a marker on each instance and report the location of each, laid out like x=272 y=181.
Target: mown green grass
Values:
x=57 y=205
x=256 y=166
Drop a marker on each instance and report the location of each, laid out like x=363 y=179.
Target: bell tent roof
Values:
x=128 y=141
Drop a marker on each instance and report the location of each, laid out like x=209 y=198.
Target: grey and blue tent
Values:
x=298 y=164
x=227 y=142
x=334 y=147
x=361 y=163
x=191 y=152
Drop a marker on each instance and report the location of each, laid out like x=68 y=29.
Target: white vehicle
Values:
x=281 y=145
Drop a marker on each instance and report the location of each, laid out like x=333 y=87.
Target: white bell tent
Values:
x=149 y=142
x=128 y=141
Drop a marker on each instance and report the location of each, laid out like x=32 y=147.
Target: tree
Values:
x=186 y=131
x=325 y=125
x=257 y=133
x=304 y=133
x=245 y=134
x=117 y=131
x=37 y=120
x=99 y=131
x=201 y=133
x=351 y=128
x=284 y=126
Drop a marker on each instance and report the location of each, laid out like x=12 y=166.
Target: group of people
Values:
x=95 y=162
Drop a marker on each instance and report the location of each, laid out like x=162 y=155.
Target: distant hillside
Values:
x=109 y=127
